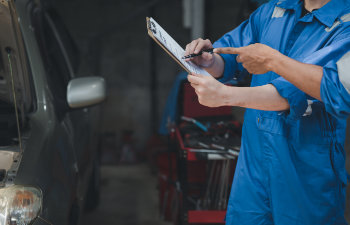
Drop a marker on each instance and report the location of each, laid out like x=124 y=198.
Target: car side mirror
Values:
x=86 y=91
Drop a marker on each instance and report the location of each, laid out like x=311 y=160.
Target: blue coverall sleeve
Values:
x=297 y=99
x=335 y=87
x=335 y=83
x=333 y=94
x=245 y=34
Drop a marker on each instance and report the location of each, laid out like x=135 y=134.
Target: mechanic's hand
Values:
x=206 y=59
x=210 y=92
x=255 y=58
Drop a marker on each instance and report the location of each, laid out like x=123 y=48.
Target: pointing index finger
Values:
x=228 y=50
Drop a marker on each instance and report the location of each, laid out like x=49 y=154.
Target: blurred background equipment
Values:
x=196 y=171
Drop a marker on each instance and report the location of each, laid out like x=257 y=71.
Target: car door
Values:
x=84 y=120
x=80 y=118
x=58 y=51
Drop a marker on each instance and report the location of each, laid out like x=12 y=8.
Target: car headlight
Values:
x=19 y=205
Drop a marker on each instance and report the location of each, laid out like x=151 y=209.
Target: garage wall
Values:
x=113 y=40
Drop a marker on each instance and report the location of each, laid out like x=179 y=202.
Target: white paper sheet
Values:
x=169 y=43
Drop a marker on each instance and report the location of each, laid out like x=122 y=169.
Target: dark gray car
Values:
x=48 y=137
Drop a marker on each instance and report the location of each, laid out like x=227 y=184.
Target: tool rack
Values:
x=195 y=174
x=191 y=181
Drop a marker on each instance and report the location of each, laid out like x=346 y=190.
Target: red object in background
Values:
x=174 y=205
x=193 y=109
x=167 y=167
x=169 y=198
x=167 y=175
x=206 y=217
x=196 y=171
x=191 y=156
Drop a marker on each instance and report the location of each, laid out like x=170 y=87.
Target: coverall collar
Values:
x=288 y=4
x=326 y=15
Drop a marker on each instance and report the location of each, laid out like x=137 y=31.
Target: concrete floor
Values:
x=128 y=197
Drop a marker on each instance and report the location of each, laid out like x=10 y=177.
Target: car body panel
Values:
x=58 y=151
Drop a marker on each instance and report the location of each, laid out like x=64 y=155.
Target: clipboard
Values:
x=170 y=46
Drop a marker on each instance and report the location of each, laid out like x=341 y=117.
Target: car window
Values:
x=70 y=46
x=57 y=69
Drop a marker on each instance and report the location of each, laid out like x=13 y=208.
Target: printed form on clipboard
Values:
x=162 y=38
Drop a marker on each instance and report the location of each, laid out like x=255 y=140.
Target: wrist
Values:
x=209 y=64
x=229 y=96
x=223 y=95
x=275 y=61
x=216 y=69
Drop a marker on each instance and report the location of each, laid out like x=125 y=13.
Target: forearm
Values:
x=306 y=77
x=217 y=68
x=262 y=98
x=260 y=59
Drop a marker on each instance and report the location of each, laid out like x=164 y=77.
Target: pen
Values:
x=210 y=50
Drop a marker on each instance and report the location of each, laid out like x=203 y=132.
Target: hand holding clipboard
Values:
x=164 y=40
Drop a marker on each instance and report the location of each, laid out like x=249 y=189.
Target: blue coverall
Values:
x=291 y=169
